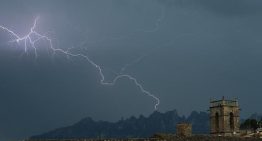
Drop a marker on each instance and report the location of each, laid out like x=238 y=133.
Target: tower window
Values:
x=231 y=121
x=217 y=122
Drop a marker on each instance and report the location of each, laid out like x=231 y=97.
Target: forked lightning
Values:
x=33 y=37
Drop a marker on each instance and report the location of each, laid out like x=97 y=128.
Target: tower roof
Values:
x=223 y=102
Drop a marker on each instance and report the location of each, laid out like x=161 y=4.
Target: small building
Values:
x=224 y=117
x=184 y=129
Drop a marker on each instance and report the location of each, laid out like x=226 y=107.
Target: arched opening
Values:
x=217 y=122
x=231 y=121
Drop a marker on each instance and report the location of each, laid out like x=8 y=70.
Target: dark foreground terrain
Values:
x=159 y=138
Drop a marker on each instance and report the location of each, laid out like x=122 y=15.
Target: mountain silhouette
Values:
x=132 y=127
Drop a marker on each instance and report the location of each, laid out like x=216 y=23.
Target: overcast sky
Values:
x=182 y=51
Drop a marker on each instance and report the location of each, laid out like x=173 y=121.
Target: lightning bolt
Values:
x=29 y=40
x=123 y=69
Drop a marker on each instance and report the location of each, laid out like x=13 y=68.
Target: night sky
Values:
x=182 y=51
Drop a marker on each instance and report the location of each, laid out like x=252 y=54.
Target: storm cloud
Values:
x=190 y=51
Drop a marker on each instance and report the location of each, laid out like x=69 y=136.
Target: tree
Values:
x=250 y=124
x=260 y=123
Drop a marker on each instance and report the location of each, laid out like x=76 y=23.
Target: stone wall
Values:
x=184 y=129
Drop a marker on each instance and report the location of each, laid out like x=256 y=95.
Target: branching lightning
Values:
x=30 y=39
x=123 y=69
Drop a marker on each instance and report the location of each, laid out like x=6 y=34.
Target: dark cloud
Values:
x=227 y=8
x=191 y=51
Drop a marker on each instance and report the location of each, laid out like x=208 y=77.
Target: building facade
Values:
x=224 y=117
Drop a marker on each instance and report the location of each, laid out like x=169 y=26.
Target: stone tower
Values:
x=184 y=129
x=224 y=117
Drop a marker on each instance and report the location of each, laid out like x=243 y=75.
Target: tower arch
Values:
x=224 y=117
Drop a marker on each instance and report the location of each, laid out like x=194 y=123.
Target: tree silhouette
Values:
x=250 y=124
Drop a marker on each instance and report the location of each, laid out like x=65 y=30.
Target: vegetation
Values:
x=252 y=124
x=260 y=124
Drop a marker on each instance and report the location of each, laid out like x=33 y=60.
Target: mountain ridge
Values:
x=140 y=126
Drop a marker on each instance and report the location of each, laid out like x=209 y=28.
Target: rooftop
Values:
x=223 y=102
